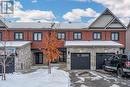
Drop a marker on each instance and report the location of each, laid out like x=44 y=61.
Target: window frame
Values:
x=18 y=36
x=96 y=35
x=77 y=36
x=61 y=35
x=37 y=36
x=114 y=36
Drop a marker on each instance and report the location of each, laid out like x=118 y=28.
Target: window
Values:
x=18 y=35
x=77 y=36
x=0 y=36
x=115 y=36
x=37 y=36
x=97 y=35
x=60 y=35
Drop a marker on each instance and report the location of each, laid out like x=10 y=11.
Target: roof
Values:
x=107 y=11
x=14 y=43
x=45 y=25
x=92 y=43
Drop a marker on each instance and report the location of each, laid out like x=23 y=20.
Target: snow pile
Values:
x=107 y=77
x=96 y=76
x=81 y=80
x=83 y=85
x=114 y=85
x=39 y=78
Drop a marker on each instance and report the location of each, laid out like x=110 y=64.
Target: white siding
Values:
x=102 y=21
x=115 y=25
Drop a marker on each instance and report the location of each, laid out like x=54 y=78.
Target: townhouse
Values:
x=128 y=39
x=83 y=46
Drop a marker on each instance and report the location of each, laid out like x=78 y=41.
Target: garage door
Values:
x=80 y=61
x=10 y=66
x=100 y=59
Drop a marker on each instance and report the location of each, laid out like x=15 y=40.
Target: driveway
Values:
x=98 y=78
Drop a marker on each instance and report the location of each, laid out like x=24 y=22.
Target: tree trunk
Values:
x=49 y=67
x=3 y=73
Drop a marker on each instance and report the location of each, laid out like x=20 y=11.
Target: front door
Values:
x=62 y=57
x=38 y=58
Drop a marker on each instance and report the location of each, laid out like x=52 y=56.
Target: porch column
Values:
x=68 y=59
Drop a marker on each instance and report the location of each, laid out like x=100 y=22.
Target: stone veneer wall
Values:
x=24 y=58
x=92 y=51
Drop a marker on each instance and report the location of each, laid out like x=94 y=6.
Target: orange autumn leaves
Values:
x=51 y=47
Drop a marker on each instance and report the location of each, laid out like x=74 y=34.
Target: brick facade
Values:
x=87 y=35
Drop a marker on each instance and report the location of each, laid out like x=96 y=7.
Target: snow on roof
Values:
x=27 y=25
x=14 y=43
x=45 y=25
x=92 y=43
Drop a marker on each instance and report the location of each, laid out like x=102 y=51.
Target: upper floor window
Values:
x=115 y=36
x=18 y=35
x=97 y=35
x=60 y=35
x=0 y=36
x=77 y=35
x=37 y=36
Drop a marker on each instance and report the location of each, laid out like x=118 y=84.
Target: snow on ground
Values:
x=96 y=76
x=39 y=78
x=114 y=85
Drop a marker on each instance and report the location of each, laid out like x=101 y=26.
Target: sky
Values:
x=68 y=10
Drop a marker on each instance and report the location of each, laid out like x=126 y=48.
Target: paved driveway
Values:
x=98 y=78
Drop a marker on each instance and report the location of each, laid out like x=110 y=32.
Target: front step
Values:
x=39 y=67
x=43 y=66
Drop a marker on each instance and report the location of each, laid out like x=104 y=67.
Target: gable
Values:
x=102 y=21
x=115 y=24
x=2 y=25
x=106 y=20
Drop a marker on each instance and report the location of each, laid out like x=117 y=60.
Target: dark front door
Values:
x=100 y=57
x=39 y=58
x=62 y=57
x=10 y=68
x=80 y=61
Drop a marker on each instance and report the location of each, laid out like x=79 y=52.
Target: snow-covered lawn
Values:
x=39 y=78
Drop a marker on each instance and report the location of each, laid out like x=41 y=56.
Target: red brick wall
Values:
x=87 y=35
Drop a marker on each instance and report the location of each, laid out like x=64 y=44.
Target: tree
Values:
x=51 y=48
x=6 y=57
x=5 y=60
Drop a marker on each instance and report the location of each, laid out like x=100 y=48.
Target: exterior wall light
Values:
x=68 y=52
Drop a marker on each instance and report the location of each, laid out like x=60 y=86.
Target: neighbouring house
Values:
x=83 y=46
x=128 y=39
x=23 y=58
x=105 y=36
